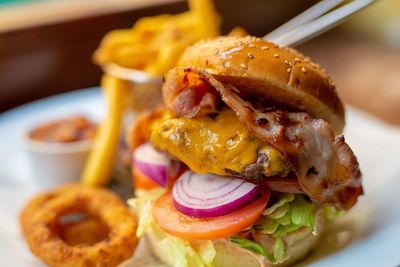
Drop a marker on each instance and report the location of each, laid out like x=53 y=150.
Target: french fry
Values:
x=98 y=167
x=168 y=55
x=142 y=46
x=175 y=28
x=150 y=23
x=208 y=21
x=112 y=42
x=182 y=21
x=133 y=57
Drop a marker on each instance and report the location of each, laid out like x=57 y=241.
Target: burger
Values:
x=245 y=162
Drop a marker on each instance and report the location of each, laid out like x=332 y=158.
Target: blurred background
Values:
x=46 y=46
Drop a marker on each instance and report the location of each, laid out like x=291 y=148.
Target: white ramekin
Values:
x=56 y=163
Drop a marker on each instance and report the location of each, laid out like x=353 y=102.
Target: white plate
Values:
x=368 y=236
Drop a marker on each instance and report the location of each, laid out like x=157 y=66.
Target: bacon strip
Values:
x=187 y=92
x=326 y=167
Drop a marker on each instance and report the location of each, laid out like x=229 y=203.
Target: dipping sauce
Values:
x=66 y=130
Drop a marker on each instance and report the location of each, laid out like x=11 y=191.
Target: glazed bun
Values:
x=299 y=244
x=275 y=75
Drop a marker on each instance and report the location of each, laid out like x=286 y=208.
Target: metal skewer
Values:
x=312 y=22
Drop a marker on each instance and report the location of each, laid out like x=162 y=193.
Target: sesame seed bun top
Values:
x=275 y=75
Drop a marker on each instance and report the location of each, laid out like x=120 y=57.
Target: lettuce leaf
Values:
x=250 y=245
x=282 y=199
x=267 y=226
x=205 y=249
x=289 y=213
x=141 y=206
x=279 y=251
x=176 y=251
x=331 y=212
x=303 y=212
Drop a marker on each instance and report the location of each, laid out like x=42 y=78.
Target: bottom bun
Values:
x=299 y=244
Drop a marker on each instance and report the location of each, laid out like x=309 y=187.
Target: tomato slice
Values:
x=190 y=228
x=141 y=181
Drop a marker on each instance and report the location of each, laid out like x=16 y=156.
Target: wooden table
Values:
x=367 y=72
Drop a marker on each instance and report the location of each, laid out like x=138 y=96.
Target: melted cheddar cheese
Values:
x=212 y=144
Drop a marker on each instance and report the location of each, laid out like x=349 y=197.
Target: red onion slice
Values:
x=210 y=195
x=152 y=163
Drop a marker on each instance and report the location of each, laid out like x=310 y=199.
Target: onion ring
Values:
x=40 y=219
x=37 y=203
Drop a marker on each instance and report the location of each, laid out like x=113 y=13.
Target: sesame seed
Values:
x=297 y=60
x=216 y=52
x=276 y=55
x=286 y=62
x=264 y=48
x=303 y=69
x=250 y=55
x=227 y=64
x=243 y=66
x=289 y=70
x=252 y=46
